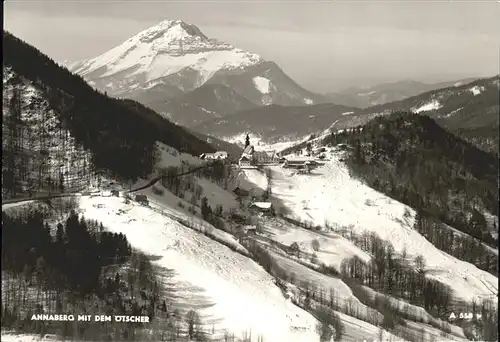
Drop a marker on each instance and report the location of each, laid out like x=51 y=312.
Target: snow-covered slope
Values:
x=262 y=84
x=433 y=105
x=231 y=291
x=331 y=195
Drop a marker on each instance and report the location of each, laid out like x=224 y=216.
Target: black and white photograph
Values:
x=250 y=171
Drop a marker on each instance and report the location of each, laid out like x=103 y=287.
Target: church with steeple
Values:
x=247 y=157
x=251 y=158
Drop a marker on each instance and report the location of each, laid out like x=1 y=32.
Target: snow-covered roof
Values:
x=248 y=150
x=299 y=160
x=221 y=153
x=262 y=205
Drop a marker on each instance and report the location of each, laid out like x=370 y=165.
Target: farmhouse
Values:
x=262 y=207
x=301 y=164
x=219 y=155
x=251 y=230
x=142 y=199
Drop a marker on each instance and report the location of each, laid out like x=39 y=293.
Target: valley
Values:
x=178 y=177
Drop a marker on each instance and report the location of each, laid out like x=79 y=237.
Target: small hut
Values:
x=142 y=199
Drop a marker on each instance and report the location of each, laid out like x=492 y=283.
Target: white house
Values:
x=219 y=155
x=249 y=229
x=263 y=207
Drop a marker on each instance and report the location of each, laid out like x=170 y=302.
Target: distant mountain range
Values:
x=276 y=123
x=471 y=110
x=215 y=89
x=160 y=66
x=364 y=97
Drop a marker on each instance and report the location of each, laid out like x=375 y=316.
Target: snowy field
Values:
x=217 y=196
x=252 y=178
x=168 y=204
x=418 y=311
x=261 y=145
x=262 y=84
x=169 y=156
x=330 y=195
x=333 y=248
x=230 y=291
x=357 y=330
x=433 y=105
x=13 y=337
x=425 y=332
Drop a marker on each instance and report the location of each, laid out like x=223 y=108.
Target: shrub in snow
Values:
x=315 y=245
x=295 y=249
x=157 y=191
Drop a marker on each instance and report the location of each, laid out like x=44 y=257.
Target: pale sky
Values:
x=322 y=45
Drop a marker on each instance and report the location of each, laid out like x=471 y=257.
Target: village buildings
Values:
x=305 y=164
x=252 y=158
x=219 y=155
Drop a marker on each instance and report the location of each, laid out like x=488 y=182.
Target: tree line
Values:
x=460 y=246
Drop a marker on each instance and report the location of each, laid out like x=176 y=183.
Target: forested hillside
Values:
x=414 y=160
x=120 y=134
x=80 y=269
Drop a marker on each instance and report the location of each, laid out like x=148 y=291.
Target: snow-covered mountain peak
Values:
x=168 y=48
x=171 y=32
x=176 y=29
